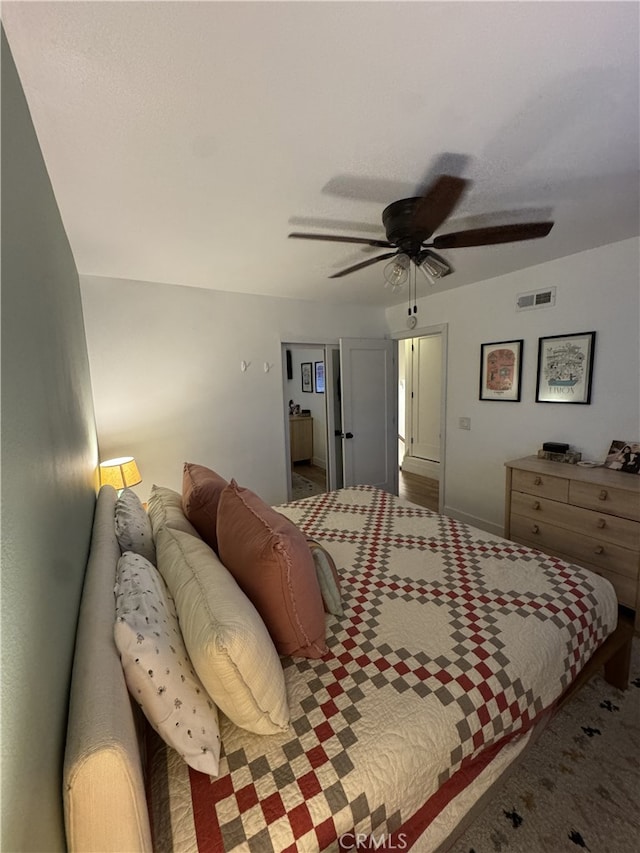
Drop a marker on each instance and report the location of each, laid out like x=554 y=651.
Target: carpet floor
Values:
x=579 y=786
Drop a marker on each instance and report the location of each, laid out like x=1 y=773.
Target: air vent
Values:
x=536 y=299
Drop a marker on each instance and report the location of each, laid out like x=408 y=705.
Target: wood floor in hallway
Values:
x=419 y=490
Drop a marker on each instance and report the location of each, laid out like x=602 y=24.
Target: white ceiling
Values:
x=185 y=140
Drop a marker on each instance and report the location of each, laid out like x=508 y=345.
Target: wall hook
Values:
x=244 y=366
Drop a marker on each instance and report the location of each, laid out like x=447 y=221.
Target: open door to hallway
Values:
x=306 y=418
x=360 y=411
x=421 y=436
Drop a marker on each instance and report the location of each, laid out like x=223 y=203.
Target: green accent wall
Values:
x=49 y=459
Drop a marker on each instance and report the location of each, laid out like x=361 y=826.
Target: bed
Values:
x=453 y=650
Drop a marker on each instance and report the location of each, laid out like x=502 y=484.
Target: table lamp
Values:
x=120 y=473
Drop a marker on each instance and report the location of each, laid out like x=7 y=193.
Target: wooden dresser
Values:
x=588 y=516
x=301 y=438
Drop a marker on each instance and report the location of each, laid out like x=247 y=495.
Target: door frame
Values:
x=425 y=332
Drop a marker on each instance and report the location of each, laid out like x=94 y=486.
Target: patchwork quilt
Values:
x=453 y=645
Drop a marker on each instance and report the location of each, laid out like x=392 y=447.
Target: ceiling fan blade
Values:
x=438 y=203
x=493 y=235
x=366 y=241
x=363 y=264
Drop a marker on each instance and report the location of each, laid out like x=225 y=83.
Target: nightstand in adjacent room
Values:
x=588 y=516
x=301 y=438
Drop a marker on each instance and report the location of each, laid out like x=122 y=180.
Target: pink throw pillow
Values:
x=272 y=563
x=201 y=490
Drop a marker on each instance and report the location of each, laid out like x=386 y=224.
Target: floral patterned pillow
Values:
x=157 y=668
x=133 y=527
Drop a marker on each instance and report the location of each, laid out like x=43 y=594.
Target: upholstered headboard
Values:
x=104 y=795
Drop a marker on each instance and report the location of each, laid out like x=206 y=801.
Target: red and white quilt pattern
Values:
x=452 y=644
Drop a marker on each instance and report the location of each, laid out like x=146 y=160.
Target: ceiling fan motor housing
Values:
x=399 y=223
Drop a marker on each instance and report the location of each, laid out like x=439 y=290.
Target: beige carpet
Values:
x=579 y=787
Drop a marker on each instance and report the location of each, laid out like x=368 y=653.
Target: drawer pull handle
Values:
x=537 y=481
x=536 y=504
x=603 y=495
x=601 y=523
x=535 y=529
x=599 y=550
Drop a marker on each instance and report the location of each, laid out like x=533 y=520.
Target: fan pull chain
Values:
x=415 y=291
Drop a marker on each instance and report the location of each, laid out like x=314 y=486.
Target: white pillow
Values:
x=133 y=527
x=165 y=510
x=227 y=641
x=157 y=668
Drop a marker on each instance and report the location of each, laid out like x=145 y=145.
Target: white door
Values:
x=369 y=433
x=426 y=397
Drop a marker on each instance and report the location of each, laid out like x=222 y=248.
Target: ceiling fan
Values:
x=410 y=222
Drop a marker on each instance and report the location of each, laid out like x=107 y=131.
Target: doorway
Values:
x=355 y=380
x=421 y=415
x=305 y=403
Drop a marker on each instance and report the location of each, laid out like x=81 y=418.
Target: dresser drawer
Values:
x=579 y=547
x=599 y=525
x=625 y=587
x=544 y=485
x=618 y=502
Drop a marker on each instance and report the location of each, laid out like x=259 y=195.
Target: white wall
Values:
x=165 y=369
x=313 y=401
x=597 y=291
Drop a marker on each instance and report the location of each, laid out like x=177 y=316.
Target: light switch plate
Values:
x=464 y=423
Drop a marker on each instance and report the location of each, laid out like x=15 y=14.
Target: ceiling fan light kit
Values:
x=434 y=268
x=396 y=272
x=410 y=222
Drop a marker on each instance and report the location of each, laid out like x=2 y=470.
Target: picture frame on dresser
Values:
x=565 y=368
x=501 y=370
x=624 y=456
x=306 y=370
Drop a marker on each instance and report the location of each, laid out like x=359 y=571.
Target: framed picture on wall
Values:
x=501 y=370
x=565 y=368
x=307 y=376
x=319 y=377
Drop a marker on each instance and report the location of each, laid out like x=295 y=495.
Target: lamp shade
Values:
x=120 y=473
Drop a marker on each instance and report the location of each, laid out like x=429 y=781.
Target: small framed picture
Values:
x=624 y=456
x=501 y=370
x=565 y=368
x=307 y=377
x=319 y=365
